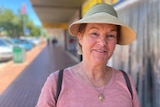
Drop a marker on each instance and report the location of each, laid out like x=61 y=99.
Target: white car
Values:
x=5 y=50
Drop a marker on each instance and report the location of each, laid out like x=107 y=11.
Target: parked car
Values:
x=5 y=50
x=27 y=44
x=23 y=44
x=34 y=40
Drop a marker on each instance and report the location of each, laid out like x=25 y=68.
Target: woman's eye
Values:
x=110 y=36
x=95 y=34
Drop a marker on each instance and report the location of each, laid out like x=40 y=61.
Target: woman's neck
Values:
x=94 y=71
x=92 y=74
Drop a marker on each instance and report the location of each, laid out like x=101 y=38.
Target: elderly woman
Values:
x=92 y=83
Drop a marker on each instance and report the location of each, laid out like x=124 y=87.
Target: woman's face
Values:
x=98 y=42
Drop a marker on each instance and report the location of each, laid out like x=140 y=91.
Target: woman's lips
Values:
x=100 y=50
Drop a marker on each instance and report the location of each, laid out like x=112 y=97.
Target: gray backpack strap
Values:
x=127 y=82
x=59 y=84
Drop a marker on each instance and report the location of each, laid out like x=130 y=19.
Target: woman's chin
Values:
x=100 y=61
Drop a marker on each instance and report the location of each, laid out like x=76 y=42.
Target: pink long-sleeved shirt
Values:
x=76 y=93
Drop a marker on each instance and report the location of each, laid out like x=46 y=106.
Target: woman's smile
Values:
x=100 y=51
x=100 y=54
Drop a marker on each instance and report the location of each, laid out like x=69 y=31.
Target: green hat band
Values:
x=101 y=8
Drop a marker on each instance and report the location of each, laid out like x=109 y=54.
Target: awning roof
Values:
x=56 y=12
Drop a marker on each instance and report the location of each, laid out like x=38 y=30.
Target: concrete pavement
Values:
x=25 y=89
x=10 y=70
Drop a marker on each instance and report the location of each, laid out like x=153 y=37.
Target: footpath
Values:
x=25 y=80
x=11 y=70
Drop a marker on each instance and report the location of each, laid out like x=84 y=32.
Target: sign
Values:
x=23 y=9
x=89 y=3
x=114 y=2
x=26 y=31
x=55 y=25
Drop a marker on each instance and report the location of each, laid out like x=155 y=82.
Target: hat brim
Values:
x=127 y=35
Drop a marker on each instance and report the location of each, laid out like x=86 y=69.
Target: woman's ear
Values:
x=79 y=35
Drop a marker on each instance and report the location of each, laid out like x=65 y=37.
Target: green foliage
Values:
x=14 y=25
x=34 y=30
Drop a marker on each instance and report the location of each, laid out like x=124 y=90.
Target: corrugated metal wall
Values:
x=142 y=58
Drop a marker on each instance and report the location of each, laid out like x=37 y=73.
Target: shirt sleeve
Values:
x=47 y=95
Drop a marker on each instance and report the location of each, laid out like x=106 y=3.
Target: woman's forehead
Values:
x=101 y=25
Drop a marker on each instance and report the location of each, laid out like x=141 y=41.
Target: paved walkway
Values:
x=25 y=89
x=10 y=70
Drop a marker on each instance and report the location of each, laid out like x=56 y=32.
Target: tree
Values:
x=14 y=25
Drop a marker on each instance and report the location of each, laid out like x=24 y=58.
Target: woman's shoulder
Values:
x=56 y=73
x=53 y=77
x=118 y=75
x=116 y=72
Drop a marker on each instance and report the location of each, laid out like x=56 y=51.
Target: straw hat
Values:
x=104 y=13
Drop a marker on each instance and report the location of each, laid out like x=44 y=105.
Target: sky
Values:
x=15 y=5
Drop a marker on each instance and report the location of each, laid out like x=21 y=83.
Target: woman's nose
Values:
x=103 y=41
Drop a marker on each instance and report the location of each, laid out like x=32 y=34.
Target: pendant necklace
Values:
x=101 y=97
